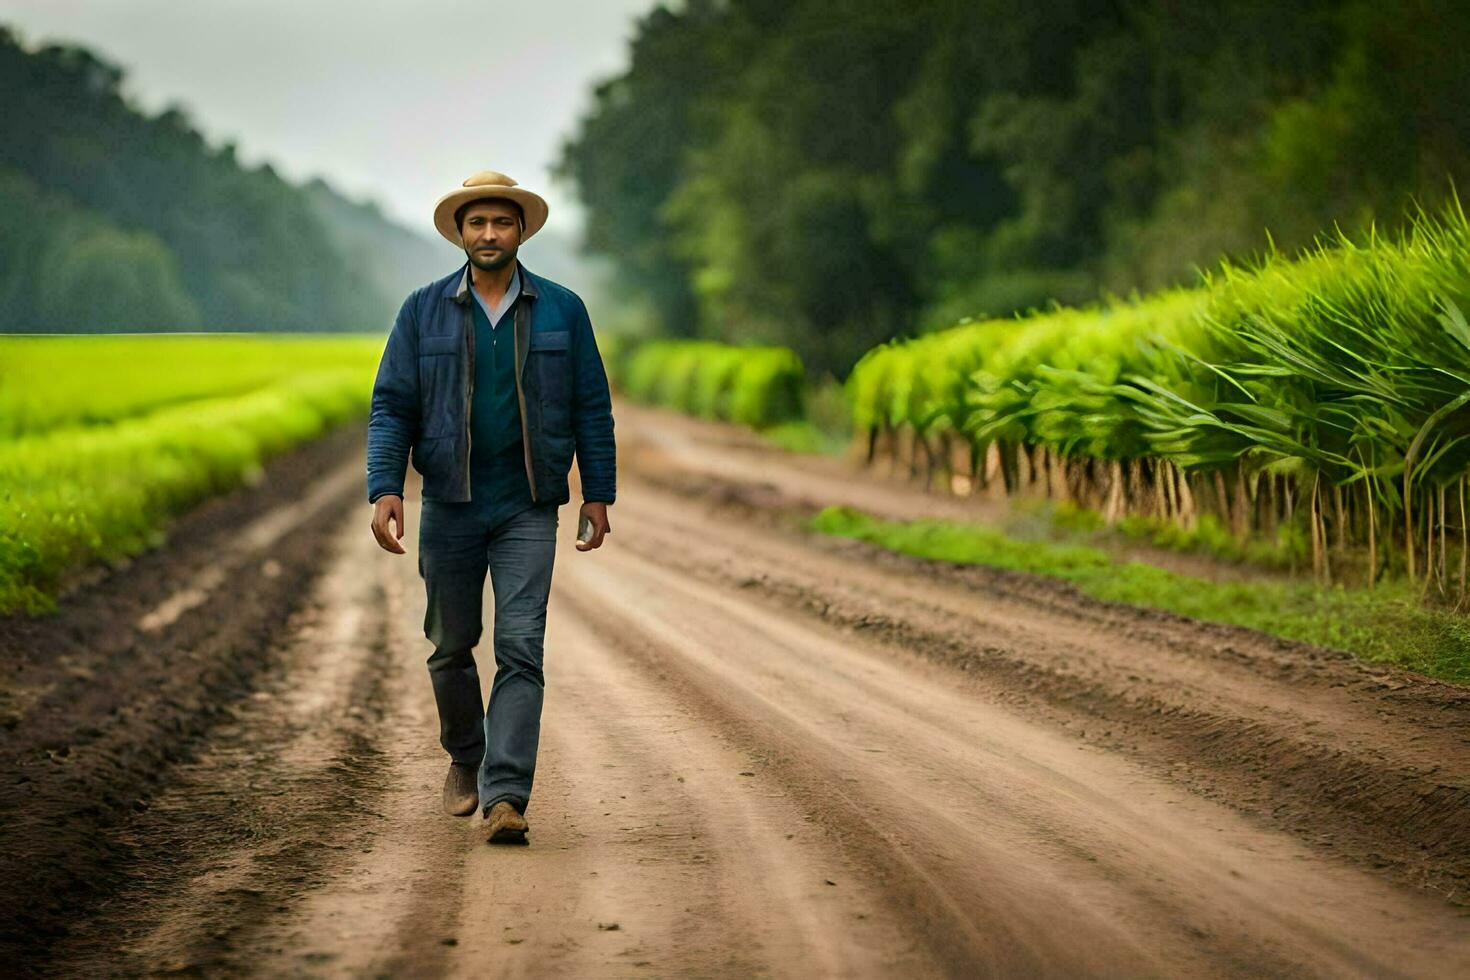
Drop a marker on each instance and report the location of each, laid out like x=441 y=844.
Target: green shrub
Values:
x=755 y=386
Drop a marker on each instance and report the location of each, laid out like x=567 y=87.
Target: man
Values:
x=492 y=377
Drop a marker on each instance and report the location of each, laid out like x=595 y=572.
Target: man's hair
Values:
x=459 y=211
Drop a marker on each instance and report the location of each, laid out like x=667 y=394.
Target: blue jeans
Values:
x=456 y=547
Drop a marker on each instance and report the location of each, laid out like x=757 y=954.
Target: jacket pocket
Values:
x=551 y=364
x=550 y=339
x=439 y=383
x=431 y=344
x=429 y=455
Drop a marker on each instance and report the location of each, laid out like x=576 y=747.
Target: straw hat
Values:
x=488 y=183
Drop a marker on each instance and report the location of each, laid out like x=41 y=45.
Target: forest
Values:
x=111 y=219
x=830 y=176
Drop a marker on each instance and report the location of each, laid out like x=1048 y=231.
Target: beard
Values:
x=489 y=263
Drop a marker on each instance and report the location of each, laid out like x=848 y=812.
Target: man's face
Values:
x=491 y=231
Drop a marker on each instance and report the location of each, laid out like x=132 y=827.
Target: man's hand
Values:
x=596 y=512
x=388 y=507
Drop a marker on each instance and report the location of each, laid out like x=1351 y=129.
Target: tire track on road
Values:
x=1008 y=829
x=1304 y=739
x=253 y=821
x=758 y=759
x=97 y=711
x=645 y=818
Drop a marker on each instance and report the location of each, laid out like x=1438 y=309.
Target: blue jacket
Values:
x=422 y=395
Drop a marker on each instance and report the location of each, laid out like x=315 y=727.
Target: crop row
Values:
x=755 y=386
x=1327 y=393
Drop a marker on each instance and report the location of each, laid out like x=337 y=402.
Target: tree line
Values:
x=831 y=175
x=113 y=219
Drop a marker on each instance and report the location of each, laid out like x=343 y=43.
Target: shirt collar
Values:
x=512 y=290
x=460 y=291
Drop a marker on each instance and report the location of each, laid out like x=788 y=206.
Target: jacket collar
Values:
x=459 y=288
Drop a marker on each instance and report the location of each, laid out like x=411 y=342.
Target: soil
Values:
x=763 y=752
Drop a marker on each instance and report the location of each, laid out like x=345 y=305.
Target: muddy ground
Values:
x=762 y=753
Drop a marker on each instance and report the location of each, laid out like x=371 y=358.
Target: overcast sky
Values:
x=398 y=101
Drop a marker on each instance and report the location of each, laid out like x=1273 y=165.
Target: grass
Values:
x=1209 y=537
x=826 y=427
x=105 y=466
x=54 y=382
x=1385 y=625
x=802 y=437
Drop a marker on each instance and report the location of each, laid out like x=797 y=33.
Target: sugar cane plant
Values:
x=1324 y=399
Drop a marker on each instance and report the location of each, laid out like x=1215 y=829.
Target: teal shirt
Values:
x=495 y=417
x=499 y=488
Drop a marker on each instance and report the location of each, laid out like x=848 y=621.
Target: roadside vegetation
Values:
x=105 y=440
x=1305 y=417
x=1387 y=625
x=1318 y=406
x=764 y=388
x=756 y=386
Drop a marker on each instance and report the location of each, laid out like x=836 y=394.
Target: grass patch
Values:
x=825 y=429
x=804 y=437
x=1385 y=625
x=1290 y=548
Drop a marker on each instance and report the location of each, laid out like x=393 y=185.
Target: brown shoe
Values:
x=504 y=825
x=461 y=796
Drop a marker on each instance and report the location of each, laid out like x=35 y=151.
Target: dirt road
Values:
x=763 y=753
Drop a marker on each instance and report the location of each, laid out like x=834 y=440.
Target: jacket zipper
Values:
x=521 y=395
x=469 y=392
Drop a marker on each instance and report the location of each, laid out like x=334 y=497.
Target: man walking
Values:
x=492 y=377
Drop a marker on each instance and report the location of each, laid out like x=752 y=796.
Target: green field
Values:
x=103 y=440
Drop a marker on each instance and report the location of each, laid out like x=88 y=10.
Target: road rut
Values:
x=769 y=754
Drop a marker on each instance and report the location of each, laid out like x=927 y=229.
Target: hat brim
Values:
x=532 y=204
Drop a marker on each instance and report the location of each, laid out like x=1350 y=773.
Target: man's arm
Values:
x=393 y=420
x=592 y=419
